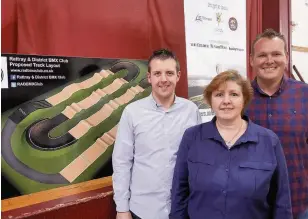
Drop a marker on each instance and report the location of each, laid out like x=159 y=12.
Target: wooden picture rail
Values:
x=299 y=48
x=90 y=199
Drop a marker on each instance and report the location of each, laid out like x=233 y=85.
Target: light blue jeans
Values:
x=303 y=215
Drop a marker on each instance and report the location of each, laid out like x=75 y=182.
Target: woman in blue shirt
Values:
x=230 y=167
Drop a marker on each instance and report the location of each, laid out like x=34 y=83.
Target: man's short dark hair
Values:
x=163 y=54
x=269 y=34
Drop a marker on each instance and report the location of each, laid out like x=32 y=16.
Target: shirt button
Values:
x=270 y=115
x=224 y=192
x=227 y=170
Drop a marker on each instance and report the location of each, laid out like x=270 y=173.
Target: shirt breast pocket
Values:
x=201 y=172
x=255 y=178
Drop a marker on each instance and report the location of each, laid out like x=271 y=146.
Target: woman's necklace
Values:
x=229 y=143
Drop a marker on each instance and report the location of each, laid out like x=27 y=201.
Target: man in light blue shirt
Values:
x=148 y=137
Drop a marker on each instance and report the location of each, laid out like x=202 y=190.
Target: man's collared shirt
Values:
x=212 y=181
x=286 y=113
x=144 y=154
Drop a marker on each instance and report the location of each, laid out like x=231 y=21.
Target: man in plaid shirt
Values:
x=281 y=104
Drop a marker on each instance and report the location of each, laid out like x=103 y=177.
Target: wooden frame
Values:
x=299 y=48
x=88 y=199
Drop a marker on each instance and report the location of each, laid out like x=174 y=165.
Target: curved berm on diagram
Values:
x=67 y=137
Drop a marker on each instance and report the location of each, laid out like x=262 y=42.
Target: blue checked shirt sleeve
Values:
x=282 y=208
x=122 y=161
x=180 y=186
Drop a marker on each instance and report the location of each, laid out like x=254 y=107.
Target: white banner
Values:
x=299 y=37
x=4 y=79
x=215 y=41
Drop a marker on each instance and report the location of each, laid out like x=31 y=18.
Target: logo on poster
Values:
x=218 y=18
x=217 y=7
x=219 y=21
x=218 y=68
x=4 y=79
x=293 y=26
x=200 y=18
x=233 y=24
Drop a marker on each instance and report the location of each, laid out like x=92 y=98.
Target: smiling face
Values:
x=227 y=101
x=269 y=59
x=163 y=78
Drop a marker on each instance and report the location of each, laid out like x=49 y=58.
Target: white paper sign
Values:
x=300 y=37
x=4 y=77
x=215 y=34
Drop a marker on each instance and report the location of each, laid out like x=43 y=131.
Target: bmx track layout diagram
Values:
x=68 y=136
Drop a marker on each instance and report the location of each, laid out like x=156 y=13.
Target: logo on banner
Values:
x=219 y=21
x=4 y=79
x=217 y=7
x=218 y=18
x=218 y=68
x=293 y=26
x=233 y=24
x=200 y=18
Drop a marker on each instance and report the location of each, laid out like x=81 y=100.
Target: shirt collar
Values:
x=282 y=86
x=155 y=104
x=248 y=136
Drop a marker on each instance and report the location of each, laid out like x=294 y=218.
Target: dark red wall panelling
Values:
x=112 y=28
x=254 y=27
x=95 y=28
x=167 y=28
x=117 y=28
x=9 y=26
x=277 y=15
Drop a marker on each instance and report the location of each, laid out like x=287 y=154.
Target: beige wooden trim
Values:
x=299 y=48
x=84 y=160
x=84 y=125
x=52 y=194
x=74 y=108
x=68 y=91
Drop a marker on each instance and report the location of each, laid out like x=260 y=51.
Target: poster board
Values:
x=59 y=117
x=299 y=38
x=215 y=32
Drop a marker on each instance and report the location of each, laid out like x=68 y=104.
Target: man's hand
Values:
x=124 y=215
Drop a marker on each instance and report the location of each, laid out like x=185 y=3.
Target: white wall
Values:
x=300 y=60
x=299 y=14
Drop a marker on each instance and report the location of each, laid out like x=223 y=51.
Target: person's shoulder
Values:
x=299 y=88
x=187 y=102
x=263 y=132
x=298 y=84
x=184 y=100
x=199 y=129
x=136 y=105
